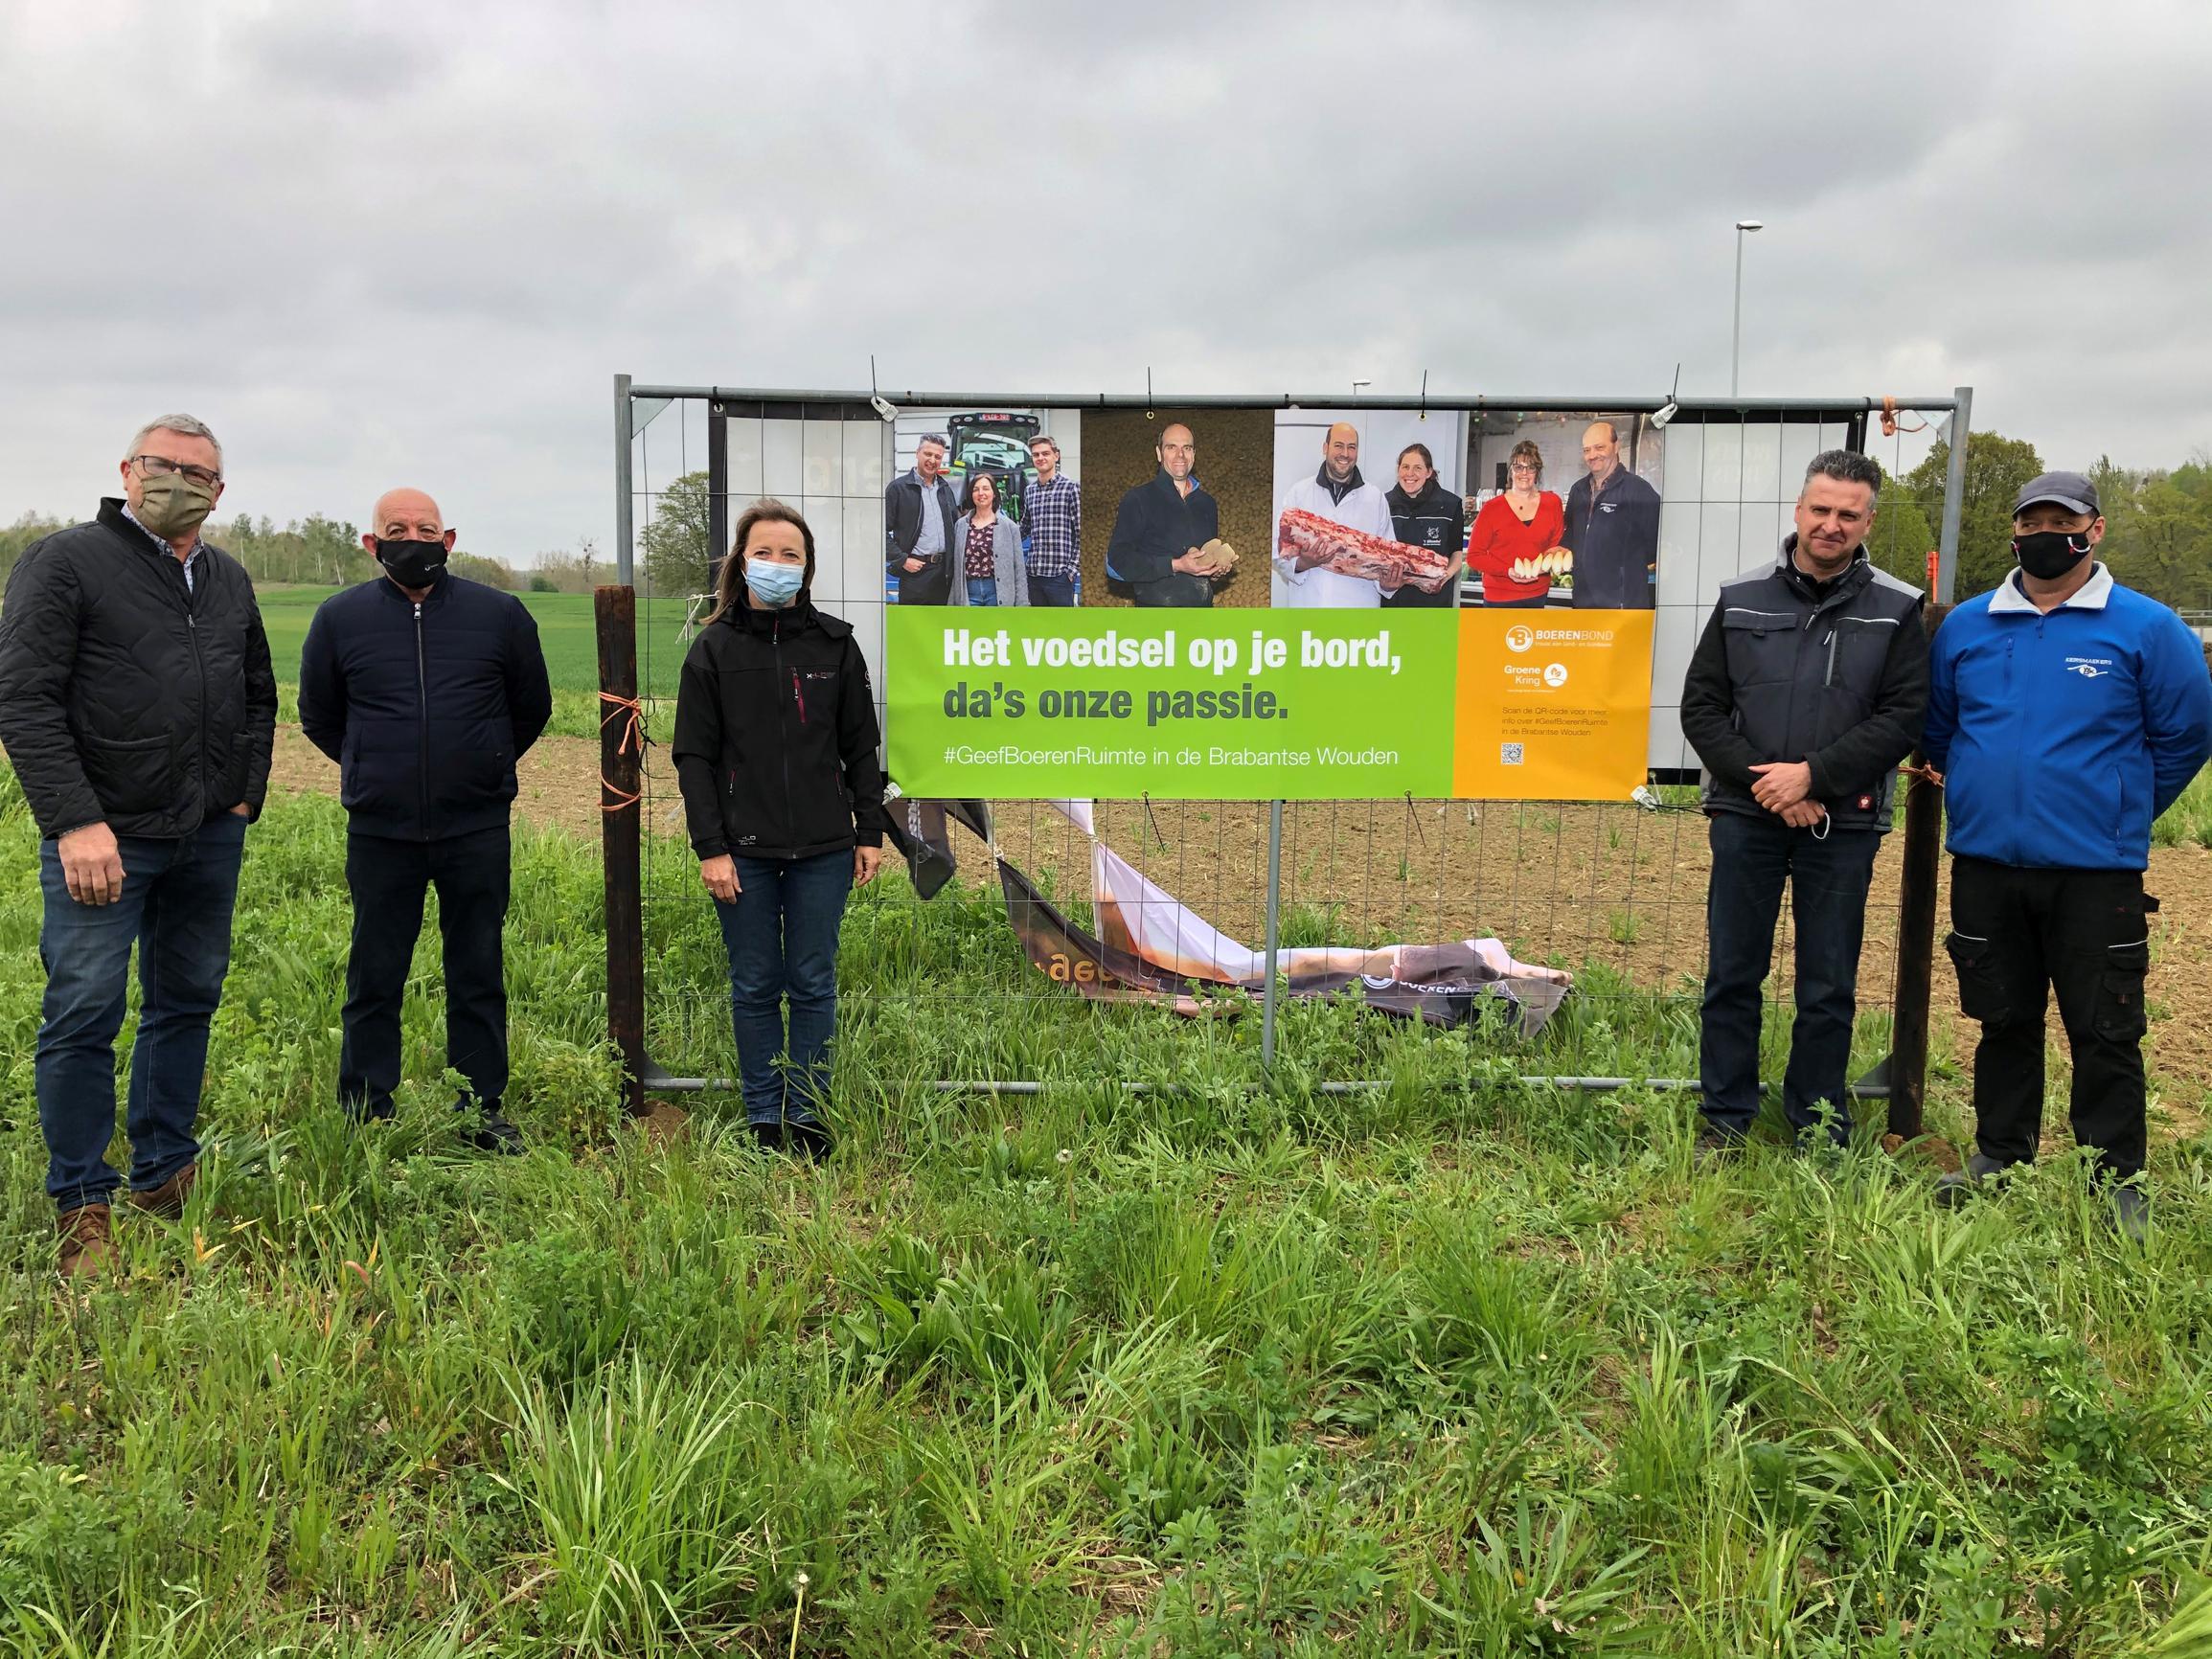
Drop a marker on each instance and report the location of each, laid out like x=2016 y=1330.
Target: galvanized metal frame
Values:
x=625 y=1002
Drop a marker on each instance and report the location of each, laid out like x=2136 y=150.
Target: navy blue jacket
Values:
x=424 y=707
x=2062 y=736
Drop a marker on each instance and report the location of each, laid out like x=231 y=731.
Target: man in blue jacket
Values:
x=2066 y=713
x=425 y=688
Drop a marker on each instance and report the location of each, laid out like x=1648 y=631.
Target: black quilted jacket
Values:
x=125 y=696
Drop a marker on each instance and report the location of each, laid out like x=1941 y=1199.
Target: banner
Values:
x=1028 y=704
x=1250 y=603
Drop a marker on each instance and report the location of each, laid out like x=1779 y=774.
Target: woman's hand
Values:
x=720 y=875
x=866 y=861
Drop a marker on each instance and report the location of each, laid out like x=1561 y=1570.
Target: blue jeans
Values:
x=176 y=906
x=781 y=932
x=983 y=590
x=1053 y=590
x=1828 y=880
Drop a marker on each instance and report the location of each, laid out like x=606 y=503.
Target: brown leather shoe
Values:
x=87 y=1243
x=167 y=1201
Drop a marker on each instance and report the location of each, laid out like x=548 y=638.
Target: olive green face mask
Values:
x=173 y=505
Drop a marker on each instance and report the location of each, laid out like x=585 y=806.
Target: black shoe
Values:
x=2130 y=1212
x=1959 y=1185
x=1713 y=1147
x=810 y=1140
x=769 y=1135
x=492 y=1132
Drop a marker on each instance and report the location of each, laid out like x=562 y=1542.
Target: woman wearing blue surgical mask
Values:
x=775 y=753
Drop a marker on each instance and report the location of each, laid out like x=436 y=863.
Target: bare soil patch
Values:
x=1573 y=885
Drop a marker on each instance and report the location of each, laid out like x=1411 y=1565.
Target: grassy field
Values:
x=1456 y=1367
x=564 y=629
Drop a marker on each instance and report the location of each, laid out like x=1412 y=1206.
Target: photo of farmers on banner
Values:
x=983 y=509
x=1539 y=688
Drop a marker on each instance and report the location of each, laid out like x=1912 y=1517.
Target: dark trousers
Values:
x=1052 y=590
x=2016 y=935
x=1827 y=879
x=1177 y=591
x=176 y=906
x=387 y=880
x=781 y=932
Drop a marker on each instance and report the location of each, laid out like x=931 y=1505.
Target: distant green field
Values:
x=564 y=628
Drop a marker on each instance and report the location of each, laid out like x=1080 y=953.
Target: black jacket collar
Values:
x=1164 y=482
x=799 y=614
x=1337 y=491
x=1839 y=588
x=1432 y=494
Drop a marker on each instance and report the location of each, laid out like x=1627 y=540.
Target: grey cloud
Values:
x=415 y=240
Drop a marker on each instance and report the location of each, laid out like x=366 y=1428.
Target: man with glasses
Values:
x=138 y=708
x=919 y=513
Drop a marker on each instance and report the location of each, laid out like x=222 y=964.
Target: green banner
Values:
x=1024 y=703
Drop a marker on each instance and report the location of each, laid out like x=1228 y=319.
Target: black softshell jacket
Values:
x=776 y=738
x=126 y=697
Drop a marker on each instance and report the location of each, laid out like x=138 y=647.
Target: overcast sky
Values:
x=413 y=243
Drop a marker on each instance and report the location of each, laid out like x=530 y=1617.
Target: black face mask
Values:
x=412 y=563
x=2049 y=553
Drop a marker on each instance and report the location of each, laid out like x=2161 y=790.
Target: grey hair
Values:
x=937 y=438
x=183 y=426
x=1846 y=467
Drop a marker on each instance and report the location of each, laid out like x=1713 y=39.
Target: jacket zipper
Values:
x=799 y=696
x=1827 y=679
x=783 y=744
x=422 y=698
x=199 y=667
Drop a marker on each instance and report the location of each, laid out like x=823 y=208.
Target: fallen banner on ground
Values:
x=1150 y=946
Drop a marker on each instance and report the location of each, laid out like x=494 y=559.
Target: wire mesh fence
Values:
x=1614 y=893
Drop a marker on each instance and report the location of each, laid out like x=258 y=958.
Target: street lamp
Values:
x=1360 y=386
x=1736 y=333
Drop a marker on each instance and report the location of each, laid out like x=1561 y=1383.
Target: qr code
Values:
x=1509 y=754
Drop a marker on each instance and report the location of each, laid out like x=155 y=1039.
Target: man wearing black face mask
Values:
x=2067 y=713
x=425 y=688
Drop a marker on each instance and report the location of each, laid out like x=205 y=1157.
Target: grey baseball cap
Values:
x=2070 y=490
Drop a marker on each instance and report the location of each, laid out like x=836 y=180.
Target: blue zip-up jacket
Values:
x=2061 y=736
x=424 y=707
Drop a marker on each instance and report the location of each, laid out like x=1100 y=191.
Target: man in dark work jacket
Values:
x=138 y=709
x=1160 y=526
x=425 y=688
x=1613 y=527
x=1807 y=688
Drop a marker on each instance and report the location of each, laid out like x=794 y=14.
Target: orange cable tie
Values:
x=632 y=739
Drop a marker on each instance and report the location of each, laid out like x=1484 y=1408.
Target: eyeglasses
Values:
x=162 y=467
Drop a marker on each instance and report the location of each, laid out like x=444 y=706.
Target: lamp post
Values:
x=1360 y=386
x=1735 y=330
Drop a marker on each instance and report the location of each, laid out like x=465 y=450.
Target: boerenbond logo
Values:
x=1519 y=637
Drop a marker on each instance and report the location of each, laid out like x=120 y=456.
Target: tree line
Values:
x=314 y=550
x=2158 y=533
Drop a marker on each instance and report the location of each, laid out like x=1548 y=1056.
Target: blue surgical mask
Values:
x=774 y=585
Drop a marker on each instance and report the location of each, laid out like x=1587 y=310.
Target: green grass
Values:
x=565 y=630
x=1457 y=1366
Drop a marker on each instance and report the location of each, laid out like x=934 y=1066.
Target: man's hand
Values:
x=91 y=865
x=720 y=875
x=1780 y=783
x=242 y=811
x=866 y=861
x=1804 y=815
x=1191 y=563
x=911 y=566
